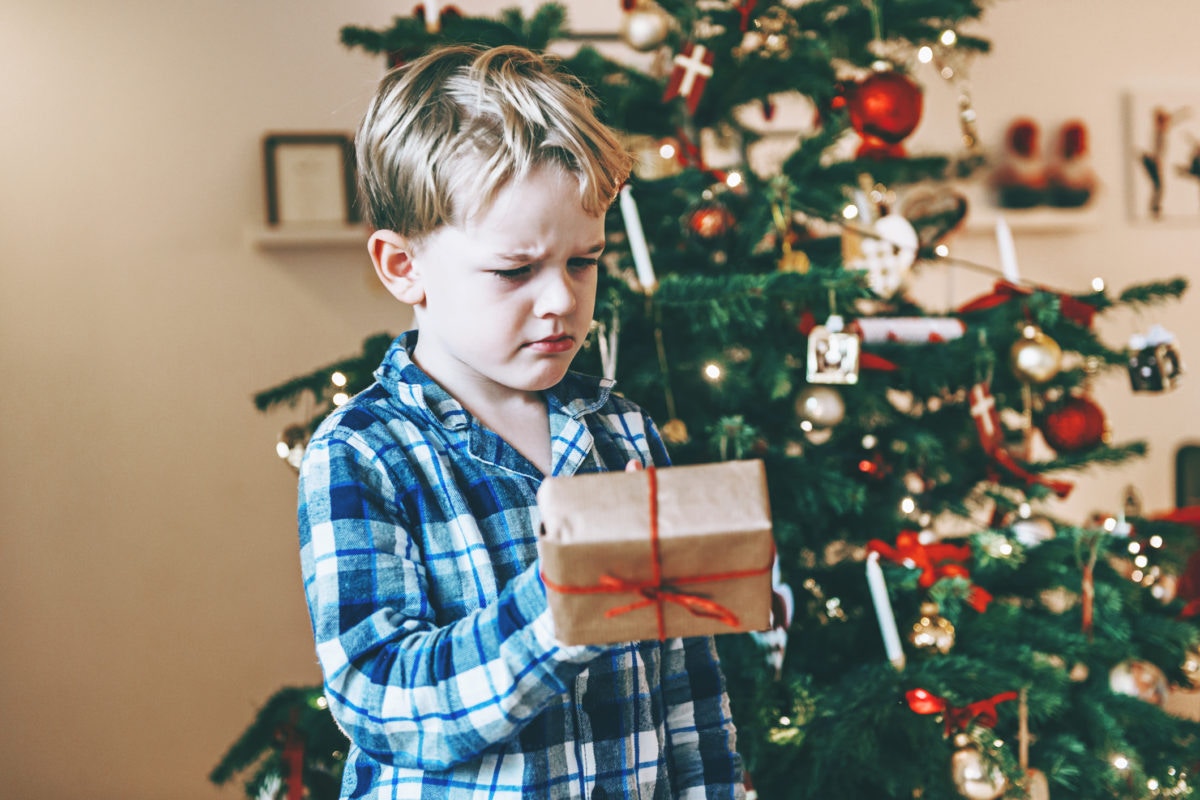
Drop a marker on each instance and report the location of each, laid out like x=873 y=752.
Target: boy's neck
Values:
x=520 y=418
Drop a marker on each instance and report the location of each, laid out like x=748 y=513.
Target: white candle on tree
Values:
x=883 y=610
x=637 y=240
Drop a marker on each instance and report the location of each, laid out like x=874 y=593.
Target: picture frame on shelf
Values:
x=310 y=180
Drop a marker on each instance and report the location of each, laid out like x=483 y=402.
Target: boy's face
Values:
x=506 y=299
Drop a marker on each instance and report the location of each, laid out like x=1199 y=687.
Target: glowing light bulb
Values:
x=869 y=441
x=942 y=250
x=948 y=37
x=908 y=505
x=1120 y=762
x=282 y=450
x=667 y=150
x=1097 y=284
x=925 y=54
x=1141 y=562
x=1024 y=510
x=733 y=180
x=337 y=379
x=712 y=371
x=340 y=399
x=1135 y=547
x=1156 y=541
x=850 y=211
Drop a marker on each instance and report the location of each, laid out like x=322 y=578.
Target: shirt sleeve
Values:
x=705 y=763
x=406 y=691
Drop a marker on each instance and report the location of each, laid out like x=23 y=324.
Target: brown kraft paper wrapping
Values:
x=714 y=545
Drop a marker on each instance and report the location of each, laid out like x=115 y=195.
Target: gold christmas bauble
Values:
x=932 y=631
x=1036 y=785
x=974 y=776
x=645 y=26
x=292 y=441
x=1140 y=679
x=820 y=405
x=1191 y=666
x=1035 y=357
x=674 y=431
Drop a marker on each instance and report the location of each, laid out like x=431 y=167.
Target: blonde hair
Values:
x=445 y=132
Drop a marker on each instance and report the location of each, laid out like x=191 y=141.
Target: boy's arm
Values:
x=704 y=760
x=405 y=690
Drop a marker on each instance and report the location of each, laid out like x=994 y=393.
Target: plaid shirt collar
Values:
x=573 y=397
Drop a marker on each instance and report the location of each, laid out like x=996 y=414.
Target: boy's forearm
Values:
x=436 y=697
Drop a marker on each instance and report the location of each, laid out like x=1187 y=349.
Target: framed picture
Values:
x=1163 y=154
x=310 y=179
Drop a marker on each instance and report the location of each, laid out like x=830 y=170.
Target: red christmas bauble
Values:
x=1076 y=424
x=885 y=108
x=711 y=221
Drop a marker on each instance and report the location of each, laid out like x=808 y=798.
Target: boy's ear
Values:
x=391 y=254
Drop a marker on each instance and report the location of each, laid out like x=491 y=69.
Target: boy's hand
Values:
x=634 y=465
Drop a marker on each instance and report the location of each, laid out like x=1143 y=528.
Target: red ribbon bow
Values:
x=1073 y=309
x=922 y=701
x=935 y=562
x=658 y=591
x=929 y=558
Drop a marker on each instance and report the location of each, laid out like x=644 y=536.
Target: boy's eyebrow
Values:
x=529 y=255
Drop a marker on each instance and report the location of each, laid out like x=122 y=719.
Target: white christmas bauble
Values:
x=646 y=26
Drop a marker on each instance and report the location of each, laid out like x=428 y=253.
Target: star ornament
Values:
x=693 y=68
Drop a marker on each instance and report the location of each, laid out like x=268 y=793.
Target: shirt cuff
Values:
x=530 y=595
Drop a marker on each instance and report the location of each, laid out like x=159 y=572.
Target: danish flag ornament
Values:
x=987 y=419
x=693 y=68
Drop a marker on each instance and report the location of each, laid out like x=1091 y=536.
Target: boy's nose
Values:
x=557 y=294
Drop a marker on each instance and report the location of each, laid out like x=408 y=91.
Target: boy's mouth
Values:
x=553 y=344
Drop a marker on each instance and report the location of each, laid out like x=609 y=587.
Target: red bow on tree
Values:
x=929 y=558
x=983 y=712
x=936 y=561
x=1073 y=309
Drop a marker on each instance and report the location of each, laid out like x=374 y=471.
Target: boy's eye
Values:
x=583 y=263
x=516 y=273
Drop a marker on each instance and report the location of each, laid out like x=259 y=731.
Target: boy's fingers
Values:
x=634 y=465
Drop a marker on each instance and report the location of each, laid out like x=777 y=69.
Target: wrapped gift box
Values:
x=673 y=551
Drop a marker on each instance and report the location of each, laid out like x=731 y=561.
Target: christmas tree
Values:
x=938 y=632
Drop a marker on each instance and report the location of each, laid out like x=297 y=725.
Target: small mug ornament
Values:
x=1154 y=361
x=833 y=353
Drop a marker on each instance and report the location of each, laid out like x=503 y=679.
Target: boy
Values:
x=487 y=177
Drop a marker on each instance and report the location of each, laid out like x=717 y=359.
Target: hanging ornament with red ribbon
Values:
x=991 y=438
x=693 y=67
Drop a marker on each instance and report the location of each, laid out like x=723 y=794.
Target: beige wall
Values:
x=148 y=574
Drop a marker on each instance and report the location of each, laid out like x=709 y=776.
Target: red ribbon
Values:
x=1005 y=459
x=689 y=155
x=745 y=9
x=1075 y=310
x=929 y=558
x=657 y=591
x=935 y=563
x=1088 y=593
x=923 y=701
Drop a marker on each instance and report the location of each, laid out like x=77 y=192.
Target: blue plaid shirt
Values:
x=418 y=548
